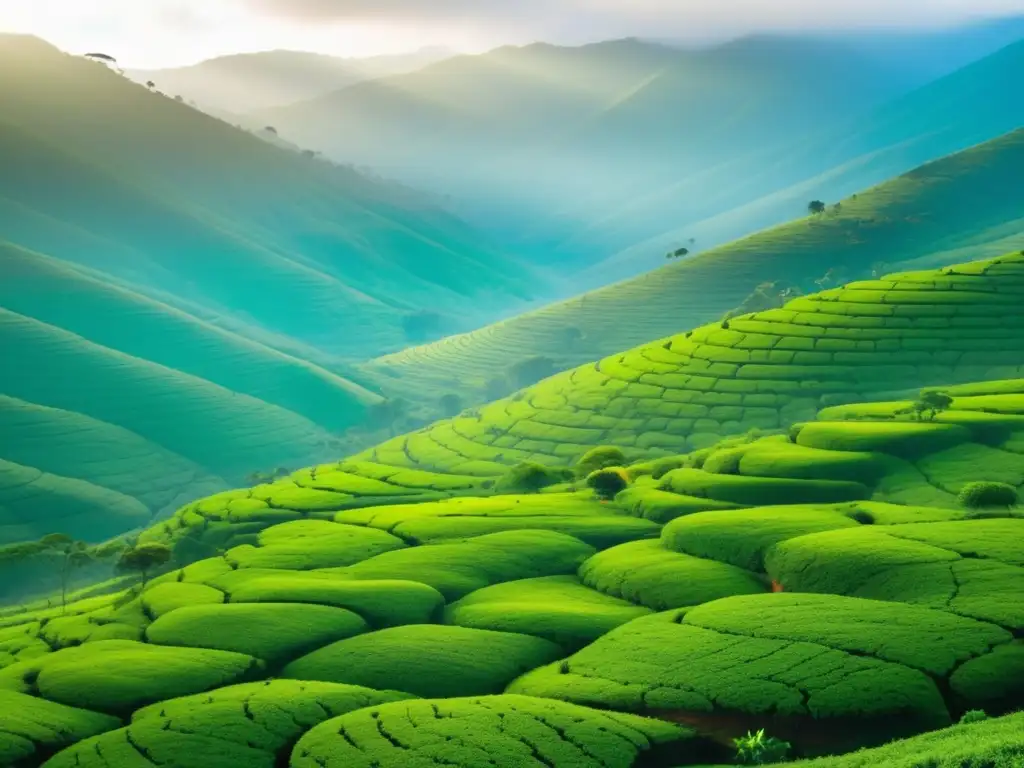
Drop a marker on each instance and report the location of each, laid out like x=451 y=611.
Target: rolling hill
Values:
x=246 y=82
x=963 y=206
x=558 y=629
x=162 y=274
x=110 y=176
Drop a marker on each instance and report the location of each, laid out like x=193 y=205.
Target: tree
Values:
x=599 y=458
x=73 y=554
x=496 y=388
x=179 y=98
x=608 y=482
x=816 y=207
x=271 y=129
x=151 y=85
x=678 y=253
x=932 y=403
x=451 y=405
x=422 y=325
x=570 y=336
x=987 y=495
x=531 y=370
x=531 y=477
x=143 y=558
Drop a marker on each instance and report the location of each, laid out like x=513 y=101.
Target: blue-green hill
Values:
x=964 y=206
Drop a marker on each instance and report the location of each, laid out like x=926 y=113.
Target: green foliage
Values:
x=599 y=458
x=144 y=559
x=758 y=749
x=531 y=370
x=530 y=477
x=816 y=207
x=608 y=482
x=973 y=716
x=82 y=676
x=273 y=633
x=450 y=405
x=421 y=326
x=984 y=495
x=494 y=730
x=427 y=660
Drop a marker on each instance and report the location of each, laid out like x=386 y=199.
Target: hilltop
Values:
x=961 y=206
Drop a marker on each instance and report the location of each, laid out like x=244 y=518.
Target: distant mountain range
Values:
x=250 y=81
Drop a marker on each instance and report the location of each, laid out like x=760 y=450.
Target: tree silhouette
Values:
x=678 y=253
x=143 y=558
x=271 y=129
x=73 y=554
x=816 y=207
x=151 y=85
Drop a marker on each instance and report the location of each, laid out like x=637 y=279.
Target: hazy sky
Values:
x=156 y=33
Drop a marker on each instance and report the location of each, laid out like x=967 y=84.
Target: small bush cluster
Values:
x=530 y=477
x=759 y=749
x=985 y=495
x=608 y=482
x=599 y=458
x=973 y=716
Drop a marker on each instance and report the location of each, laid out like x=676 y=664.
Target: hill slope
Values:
x=956 y=111
x=965 y=203
x=559 y=630
x=760 y=370
x=535 y=142
x=152 y=192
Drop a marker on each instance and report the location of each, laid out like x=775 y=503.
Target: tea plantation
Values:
x=838 y=578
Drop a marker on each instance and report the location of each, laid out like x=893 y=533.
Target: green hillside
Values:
x=332 y=630
x=179 y=300
x=765 y=186
x=964 y=205
x=103 y=173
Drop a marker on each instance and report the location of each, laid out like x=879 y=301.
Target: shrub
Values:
x=608 y=482
x=599 y=458
x=530 y=477
x=758 y=749
x=973 y=716
x=531 y=370
x=986 y=494
x=863 y=517
x=451 y=405
x=420 y=326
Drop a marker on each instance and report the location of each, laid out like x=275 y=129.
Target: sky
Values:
x=162 y=33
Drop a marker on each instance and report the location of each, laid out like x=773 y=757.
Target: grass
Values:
x=427 y=660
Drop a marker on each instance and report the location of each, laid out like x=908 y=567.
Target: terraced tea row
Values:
x=759 y=371
x=290 y=644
